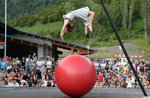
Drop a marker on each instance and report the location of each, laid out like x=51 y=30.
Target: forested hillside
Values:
x=18 y=8
x=123 y=12
x=130 y=18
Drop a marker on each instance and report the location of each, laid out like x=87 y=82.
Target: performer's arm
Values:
x=64 y=29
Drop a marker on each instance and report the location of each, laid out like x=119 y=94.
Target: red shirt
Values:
x=100 y=78
x=136 y=65
x=6 y=60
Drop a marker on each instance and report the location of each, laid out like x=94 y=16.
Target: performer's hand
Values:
x=62 y=37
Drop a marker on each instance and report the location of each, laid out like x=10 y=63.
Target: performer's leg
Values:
x=91 y=15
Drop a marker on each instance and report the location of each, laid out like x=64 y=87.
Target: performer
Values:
x=84 y=14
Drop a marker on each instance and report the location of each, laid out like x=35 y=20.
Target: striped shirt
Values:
x=81 y=13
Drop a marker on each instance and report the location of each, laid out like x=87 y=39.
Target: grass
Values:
x=39 y=28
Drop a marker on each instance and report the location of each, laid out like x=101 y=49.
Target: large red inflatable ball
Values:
x=75 y=75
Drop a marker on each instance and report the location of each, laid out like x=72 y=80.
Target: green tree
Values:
x=144 y=14
x=131 y=10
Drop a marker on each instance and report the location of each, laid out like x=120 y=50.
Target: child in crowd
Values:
x=100 y=79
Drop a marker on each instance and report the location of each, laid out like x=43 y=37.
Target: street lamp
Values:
x=5 y=29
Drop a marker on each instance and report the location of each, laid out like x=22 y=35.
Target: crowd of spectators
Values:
x=118 y=74
x=28 y=72
x=40 y=72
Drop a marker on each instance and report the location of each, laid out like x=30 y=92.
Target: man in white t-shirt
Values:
x=41 y=64
x=29 y=57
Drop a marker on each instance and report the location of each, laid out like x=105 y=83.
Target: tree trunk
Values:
x=125 y=14
x=131 y=9
x=146 y=19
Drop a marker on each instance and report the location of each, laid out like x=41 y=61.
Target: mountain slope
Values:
x=24 y=7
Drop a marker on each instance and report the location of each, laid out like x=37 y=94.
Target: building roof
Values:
x=59 y=43
x=24 y=39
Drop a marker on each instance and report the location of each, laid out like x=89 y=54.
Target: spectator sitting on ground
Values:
x=100 y=79
x=13 y=83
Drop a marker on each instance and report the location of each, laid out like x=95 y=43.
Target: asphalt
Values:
x=54 y=92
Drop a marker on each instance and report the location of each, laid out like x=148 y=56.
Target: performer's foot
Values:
x=90 y=28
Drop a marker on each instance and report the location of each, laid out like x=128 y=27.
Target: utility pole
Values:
x=5 y=48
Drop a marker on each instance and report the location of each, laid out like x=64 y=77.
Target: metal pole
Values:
x=88 y=47
x=123 y=48
x=5 y=29
x=88 y=53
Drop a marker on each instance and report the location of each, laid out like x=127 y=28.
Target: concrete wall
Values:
x=40 y=52
x=44 y=51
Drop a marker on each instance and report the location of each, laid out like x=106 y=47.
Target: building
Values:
x=21 y=43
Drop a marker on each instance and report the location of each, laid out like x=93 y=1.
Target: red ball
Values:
x=75 y=75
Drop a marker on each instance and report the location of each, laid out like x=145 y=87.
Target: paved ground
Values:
x=54 y=92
